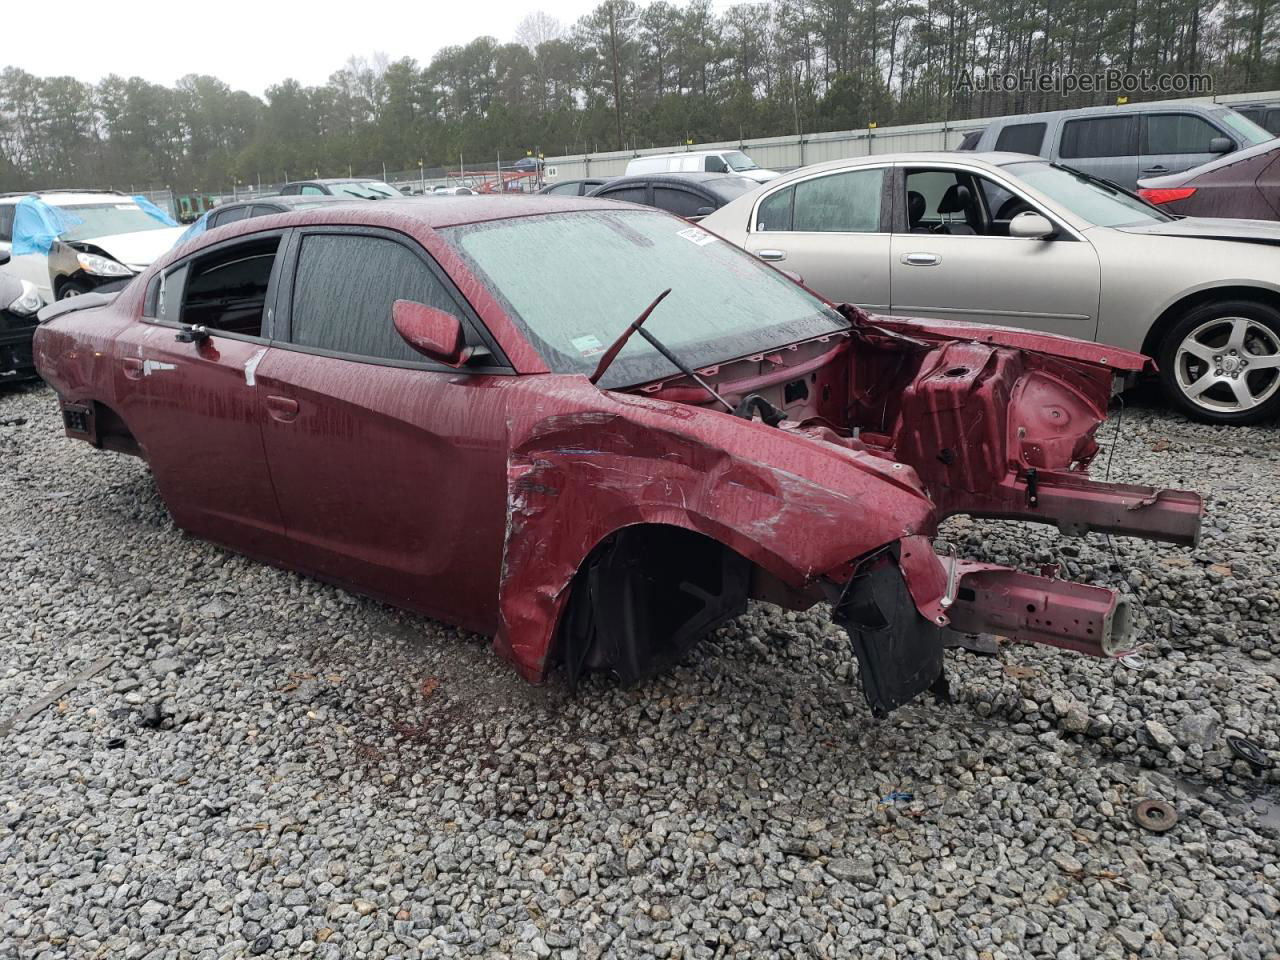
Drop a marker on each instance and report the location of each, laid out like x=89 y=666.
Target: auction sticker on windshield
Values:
x=588 y=346
x=696 y=235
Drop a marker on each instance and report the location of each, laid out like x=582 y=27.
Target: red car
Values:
x=593 y=431
x=1243 y=184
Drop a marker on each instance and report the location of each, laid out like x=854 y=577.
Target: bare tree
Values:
x=538 y=28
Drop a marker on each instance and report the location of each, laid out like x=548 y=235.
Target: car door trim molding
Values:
x=1011 y=314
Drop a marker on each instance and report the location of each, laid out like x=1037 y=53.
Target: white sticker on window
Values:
x=588 y=346
x=696 y=236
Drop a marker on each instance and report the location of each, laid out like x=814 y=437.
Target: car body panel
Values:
x=1244 y=184
x=480 y=497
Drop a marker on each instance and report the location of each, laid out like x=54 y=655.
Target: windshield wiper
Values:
x=637 y=326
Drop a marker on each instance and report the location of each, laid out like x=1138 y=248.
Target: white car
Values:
x=701 y=161
x=71 y=242
x=1011 y=240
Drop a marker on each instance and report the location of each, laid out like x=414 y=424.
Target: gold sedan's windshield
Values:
x=574 y=281
x=1102 y=204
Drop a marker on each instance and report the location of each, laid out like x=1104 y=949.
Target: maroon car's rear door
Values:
x=390 y=470
x=193 y=404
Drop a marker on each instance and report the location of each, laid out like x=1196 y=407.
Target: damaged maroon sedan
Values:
x=593 y=431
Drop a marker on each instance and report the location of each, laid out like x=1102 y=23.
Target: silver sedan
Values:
x=1016 y=241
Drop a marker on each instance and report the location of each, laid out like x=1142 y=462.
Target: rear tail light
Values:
x=1158 y=195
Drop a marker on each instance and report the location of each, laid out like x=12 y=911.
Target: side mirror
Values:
x=1221 y=145
x=432 y=332
x=1031 y=226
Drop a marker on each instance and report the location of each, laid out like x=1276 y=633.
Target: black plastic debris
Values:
x=1249 y=752
x=152 y=718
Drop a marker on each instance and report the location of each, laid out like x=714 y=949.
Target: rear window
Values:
x=1100 y=137
x=1021 y=138
x=839 y=203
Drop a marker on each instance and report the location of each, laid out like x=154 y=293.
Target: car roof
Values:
x=287 y=200
x=336 y=180
x=1147 y=106
x=995 y=158
x=437 y=212
x=677 y=176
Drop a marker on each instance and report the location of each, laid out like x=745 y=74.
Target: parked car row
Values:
x=593 y=431
x=1006 y=239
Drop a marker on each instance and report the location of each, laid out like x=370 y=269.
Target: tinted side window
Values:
x=221 y=217
x=345 y=287
x=263 y=210
x=629 y=194
x=680 y=202
x=775 y=211
x=970 y=141
x=839 y=203
x=312 y=191
x=1021 y=138
x=1179 y=133
x=6 y=222
x=715 y=164
x=565 y=189
x=1272 y=123
x=1100 y=137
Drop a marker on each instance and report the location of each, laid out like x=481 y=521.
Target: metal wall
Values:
x=784 y=153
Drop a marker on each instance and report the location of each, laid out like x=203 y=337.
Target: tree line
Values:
x=627 y=75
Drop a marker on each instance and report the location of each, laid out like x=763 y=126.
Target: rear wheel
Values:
x=1220 y=363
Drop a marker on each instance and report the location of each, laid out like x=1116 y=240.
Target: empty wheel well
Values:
x=644 y=596
x=1151 y=344
x=113 y=433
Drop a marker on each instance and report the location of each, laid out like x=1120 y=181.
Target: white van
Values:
x=705 y=161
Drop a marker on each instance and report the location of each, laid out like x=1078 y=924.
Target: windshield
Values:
x=1093 y=200
x=574 y=281
x=364 y=189
x=109 y=219
x=739 y=161
x=1252 y=133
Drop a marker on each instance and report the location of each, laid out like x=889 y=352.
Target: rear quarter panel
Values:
x=76 y=354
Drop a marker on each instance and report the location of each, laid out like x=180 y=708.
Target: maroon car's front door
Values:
x=390 y=471
x=193 y=404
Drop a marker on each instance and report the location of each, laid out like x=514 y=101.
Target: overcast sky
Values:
x=252 y=44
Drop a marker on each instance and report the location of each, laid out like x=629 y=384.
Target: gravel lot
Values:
x=334 y=778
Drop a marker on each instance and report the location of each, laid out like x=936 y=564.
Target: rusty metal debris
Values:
x=54 y=695
x=1154 y=815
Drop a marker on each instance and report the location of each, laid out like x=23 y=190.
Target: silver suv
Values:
x=1123 y=144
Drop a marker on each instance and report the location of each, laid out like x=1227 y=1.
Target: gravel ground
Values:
x=333 y=778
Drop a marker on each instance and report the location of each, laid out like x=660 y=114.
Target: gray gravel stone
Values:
x=306 y=797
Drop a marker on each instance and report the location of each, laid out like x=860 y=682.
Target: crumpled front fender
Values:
x=575 y=478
